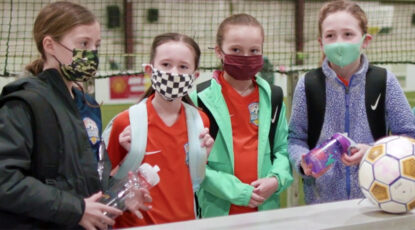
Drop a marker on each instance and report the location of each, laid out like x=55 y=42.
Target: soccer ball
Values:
x=387 y=174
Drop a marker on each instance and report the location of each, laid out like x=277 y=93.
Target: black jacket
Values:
x=25 y=201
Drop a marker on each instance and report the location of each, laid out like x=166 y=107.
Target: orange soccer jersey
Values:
x=244 y=118
x=173 y=198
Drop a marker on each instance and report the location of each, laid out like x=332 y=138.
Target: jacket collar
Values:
x=359 y=76
x=58 y=85
x=215 y=102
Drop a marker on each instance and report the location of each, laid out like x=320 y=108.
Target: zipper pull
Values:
x=101 y=152
x=347 y=96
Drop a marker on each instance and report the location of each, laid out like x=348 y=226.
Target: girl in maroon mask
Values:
x=244 y=173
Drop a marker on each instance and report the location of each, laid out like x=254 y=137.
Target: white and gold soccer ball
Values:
x=387 y=174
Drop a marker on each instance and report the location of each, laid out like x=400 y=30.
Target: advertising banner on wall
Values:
x=128 y=86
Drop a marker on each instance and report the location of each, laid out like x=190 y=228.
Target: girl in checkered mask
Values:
x=170 y=85
x=174 y=59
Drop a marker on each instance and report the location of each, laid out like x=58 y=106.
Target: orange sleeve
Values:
x=116 y=152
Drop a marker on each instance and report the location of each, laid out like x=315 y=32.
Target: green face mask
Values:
x=343 y=53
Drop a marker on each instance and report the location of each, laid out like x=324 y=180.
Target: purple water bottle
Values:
x=327 y=152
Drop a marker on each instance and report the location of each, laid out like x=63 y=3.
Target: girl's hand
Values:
x=255 y=200
x=207 y=141
x=141 y=197
x=265 y=187
x=307 y=169
x=356 y=154
x=94 y=217
x=138 y=199
x=125 y=138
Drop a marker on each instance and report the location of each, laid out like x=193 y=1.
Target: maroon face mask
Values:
x=242 y=67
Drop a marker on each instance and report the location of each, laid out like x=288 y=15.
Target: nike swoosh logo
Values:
x=275 y=115
x=376 y=103
x=153 y=152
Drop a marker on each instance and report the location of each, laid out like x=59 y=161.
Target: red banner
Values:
x=126 y=87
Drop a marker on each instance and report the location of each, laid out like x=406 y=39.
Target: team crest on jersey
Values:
x=253 y=112
x=92 y=130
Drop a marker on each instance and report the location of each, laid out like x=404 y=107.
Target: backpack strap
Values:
x=138 y=123
x=106 y=133
x=139 y=128
x=375 y=91
x=197 y=154
x=213 y=129
x=375 y=100
x=276 y=103
x=315 y=91
x=45 y=125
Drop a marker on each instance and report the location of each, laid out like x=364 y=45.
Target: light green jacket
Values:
x=220 y=187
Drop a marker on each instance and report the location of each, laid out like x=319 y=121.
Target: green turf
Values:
x=109 y=111
x=411 y=98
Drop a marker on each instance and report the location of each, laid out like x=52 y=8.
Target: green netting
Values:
x=391 y=22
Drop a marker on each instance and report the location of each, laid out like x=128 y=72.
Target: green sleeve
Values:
x=281 y=167
x=227 y=187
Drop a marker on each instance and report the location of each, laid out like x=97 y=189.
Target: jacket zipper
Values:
x=347 y=129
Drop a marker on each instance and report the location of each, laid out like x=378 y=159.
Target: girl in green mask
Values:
x=345 y=95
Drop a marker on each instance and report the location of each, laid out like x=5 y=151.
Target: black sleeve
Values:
x=21 y=193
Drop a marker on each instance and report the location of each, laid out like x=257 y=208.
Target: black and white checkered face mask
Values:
x=171 y=85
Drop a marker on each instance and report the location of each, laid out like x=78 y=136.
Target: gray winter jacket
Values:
x=345 y=112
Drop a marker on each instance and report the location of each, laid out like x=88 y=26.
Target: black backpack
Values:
x=276 y=104
x=45 y=126
x=375 y=89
